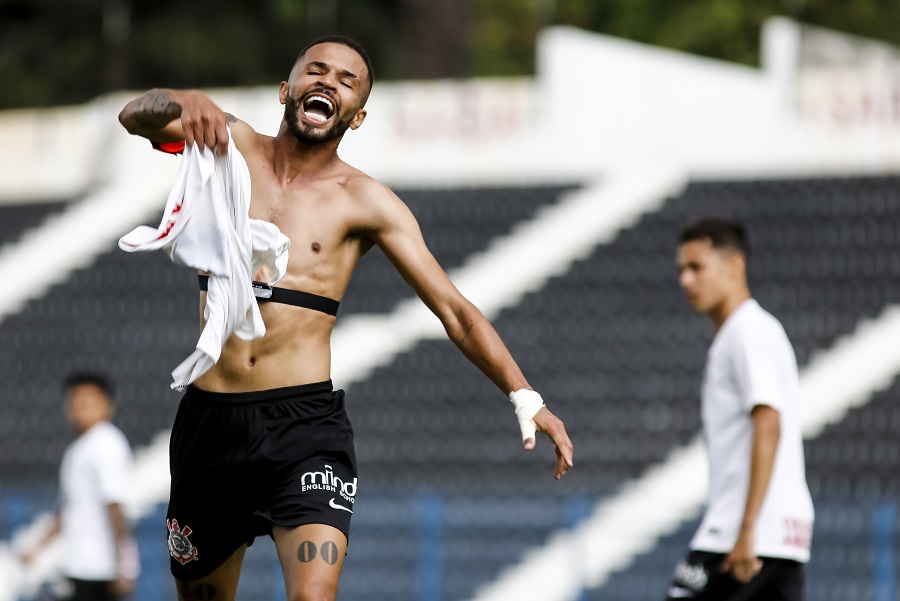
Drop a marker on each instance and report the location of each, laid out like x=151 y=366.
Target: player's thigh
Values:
x=311 y=558
x=220 y=585
x=89 y=590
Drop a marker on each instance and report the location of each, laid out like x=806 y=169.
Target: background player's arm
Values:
x=742 y=562
x=397 y=233
x=46 y=538
x=123 y=584
x=163 y=115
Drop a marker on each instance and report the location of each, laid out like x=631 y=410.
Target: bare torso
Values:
x=326 y=220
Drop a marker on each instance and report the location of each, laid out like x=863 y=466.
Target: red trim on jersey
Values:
x=169 y=147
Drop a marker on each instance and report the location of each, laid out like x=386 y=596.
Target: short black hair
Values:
x=89 y=378
x=334 y=38
x=722 y=233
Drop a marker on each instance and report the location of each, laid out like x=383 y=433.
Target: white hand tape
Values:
x=527 y=404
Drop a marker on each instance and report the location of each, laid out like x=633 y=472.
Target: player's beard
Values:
x=308 y=133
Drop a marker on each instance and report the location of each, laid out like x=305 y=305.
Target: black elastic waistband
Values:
x=257 y=397
x=264 y=292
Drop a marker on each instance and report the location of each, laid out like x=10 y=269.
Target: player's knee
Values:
x=202 y=591
x=314 y=592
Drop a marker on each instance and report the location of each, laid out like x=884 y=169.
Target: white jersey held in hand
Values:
x=206 y=226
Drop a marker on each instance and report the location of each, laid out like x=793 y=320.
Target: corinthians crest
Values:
x=180 y=548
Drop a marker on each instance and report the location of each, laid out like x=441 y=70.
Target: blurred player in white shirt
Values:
x=100 y=558
x=756 y=532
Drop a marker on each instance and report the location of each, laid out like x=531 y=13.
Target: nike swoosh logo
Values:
x=334 y=505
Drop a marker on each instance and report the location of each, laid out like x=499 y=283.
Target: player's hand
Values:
x=203 y=121
x=122 y=586
x=546 y=422
x=742 y=562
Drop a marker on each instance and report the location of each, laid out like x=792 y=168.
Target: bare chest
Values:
x=320 y=220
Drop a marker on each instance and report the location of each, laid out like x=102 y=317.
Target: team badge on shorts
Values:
x=180 y=548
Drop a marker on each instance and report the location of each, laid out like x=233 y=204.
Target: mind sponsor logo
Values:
x=327 y=480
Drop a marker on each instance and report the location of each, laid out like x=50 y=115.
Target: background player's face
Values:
x=87 y=405
x=708 y=276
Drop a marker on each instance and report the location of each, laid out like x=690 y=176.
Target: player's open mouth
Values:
x=318 y=108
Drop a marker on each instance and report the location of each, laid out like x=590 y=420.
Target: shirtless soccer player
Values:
x=266 y=415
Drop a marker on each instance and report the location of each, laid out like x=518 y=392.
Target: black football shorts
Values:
x=699 y=577
x=241 y=462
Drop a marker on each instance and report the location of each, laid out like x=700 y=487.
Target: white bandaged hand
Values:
x=527 y=404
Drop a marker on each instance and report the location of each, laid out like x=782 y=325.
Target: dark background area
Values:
x=56 y=52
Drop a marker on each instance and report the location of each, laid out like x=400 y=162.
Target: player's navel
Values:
x=252 y=361
x=316 y=247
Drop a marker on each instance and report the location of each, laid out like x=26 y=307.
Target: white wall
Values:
x=613 y=102
x=597 y=103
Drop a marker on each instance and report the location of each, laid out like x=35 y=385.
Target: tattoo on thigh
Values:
x=306 y=552
x=200 y=592
x=329 y=552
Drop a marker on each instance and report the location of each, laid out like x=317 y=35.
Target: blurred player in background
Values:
x=756 y=533
x=262 y=443
x=99 y=555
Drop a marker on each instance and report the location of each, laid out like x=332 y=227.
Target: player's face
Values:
x=707 y=275
x=325 y=93
x=87 y=405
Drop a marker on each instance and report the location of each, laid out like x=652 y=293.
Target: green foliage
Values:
x=68 y=51
x=505 y=35
x=723 y=29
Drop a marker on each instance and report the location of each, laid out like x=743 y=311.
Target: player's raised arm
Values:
x=162 y=115
x=397 y=233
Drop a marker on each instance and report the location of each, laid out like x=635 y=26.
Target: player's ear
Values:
x=283 y=92
x=358 y=119
x=737 y=264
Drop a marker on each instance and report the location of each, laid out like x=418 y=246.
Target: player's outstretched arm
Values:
x=397 y=233
x=163 y=115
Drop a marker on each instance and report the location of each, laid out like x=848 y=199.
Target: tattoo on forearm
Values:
x=307 y=551
x=200 y=592
x=154 y=110
x=230 y=118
